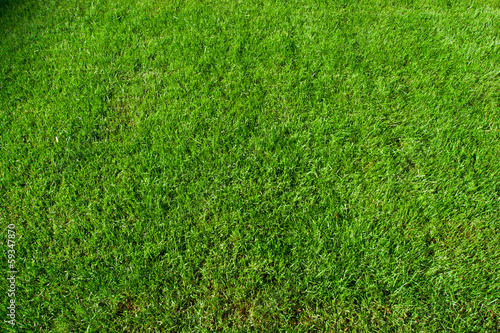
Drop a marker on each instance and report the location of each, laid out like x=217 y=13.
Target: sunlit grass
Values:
x=224 y=165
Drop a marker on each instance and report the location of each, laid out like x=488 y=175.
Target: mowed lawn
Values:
x=203 y=165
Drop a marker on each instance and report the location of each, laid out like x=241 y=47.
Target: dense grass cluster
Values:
x=233 y=165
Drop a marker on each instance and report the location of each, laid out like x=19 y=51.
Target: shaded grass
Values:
x=229 y=165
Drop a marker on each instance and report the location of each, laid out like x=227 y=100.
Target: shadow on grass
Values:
x=6 y=5
x=15 y=8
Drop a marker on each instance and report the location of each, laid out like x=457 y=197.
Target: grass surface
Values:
x=238 y=165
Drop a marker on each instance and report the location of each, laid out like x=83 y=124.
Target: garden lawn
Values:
x=251 y=165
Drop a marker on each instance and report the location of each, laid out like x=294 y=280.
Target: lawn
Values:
x=216 y=165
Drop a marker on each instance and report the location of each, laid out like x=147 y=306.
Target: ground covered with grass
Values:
x=236 y=165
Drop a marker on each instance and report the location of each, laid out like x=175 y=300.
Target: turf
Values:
x=251 y=165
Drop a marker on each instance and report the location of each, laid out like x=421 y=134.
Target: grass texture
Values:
x=182 y=166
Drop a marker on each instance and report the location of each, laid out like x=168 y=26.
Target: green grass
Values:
x=251 y=165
